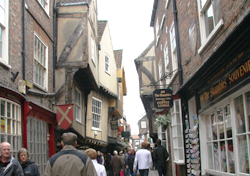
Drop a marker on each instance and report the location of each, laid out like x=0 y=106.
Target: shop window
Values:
x=37 y=142
x=11 y=125
x=96 y=113
x=177 y=134
x=219 y=140
x=242 y=110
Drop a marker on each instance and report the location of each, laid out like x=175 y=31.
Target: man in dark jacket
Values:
x=160 y=155
x=116 y=163
x=9 y=166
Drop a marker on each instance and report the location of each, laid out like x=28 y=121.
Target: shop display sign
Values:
x=230 y=75
x=163 y=98
x=126 y=134
x=114 y=124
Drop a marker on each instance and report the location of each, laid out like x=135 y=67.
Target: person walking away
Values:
x=9 y=166
x=29 y=167
x=69 y=161
x=123 y=161
x=100 y=169
x=130 y=163
x=143 y=159
x=160 y=156
x=116 y=163
x=99 y=157
x=108 y=164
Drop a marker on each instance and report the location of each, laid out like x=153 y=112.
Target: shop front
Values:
x=216 y=110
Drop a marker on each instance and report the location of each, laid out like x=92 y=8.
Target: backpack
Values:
x=131 y=163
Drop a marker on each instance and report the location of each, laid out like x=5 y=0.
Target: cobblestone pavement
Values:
x=153 y=173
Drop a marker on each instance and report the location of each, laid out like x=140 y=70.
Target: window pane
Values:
x=214 y=126
x=228 y=125
x=240 y=117
x=208 y=128
x=230 y=156
x=220 y=123
x=216 y=156
x=223 y=158
x=243 y=154
x=248 y=109
x=210 y=154
x=216 y=9
x=209 y=20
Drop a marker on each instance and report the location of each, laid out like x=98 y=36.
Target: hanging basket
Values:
x=162 y=120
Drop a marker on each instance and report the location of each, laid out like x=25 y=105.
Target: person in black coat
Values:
x=29 y=167
x=160 y=155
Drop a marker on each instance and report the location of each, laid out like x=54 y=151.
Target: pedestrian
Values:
x=29 y=167
x=9 y=166
x=130 y=163
x=108 y=164
x=116 y=163
x=160 y=156
x=123 y=161
x=99 y=158
x=143 y=159
x=69 y=161
x=100 y=169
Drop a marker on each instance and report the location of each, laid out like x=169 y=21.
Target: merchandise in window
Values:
x=11 y=125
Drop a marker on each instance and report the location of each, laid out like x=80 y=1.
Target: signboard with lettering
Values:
x=227 y=77
x=114 y=124
x=125 y=134
x=163 y=98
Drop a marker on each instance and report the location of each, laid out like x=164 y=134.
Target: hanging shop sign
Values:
x=126 y=134
x=114 y=124
x=163 y=98
x=120 y=130
x=126 y=139
x=226 y=78
x=64 y=115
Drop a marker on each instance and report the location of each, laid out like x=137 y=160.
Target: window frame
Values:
x=4 y=25
x=205 y=40
x=45 y=5
x=97 y=114
x=160 y=73
x=78 y=105
x=174 y=112
x=107 y=63
x=166 y=62
x=173 y=51
x=93 y=49
x=45 y=66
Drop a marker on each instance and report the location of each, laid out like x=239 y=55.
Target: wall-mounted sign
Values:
x=126 y=134
x=114 y=124
x=120 y=130
x=163 y=98
x=227 y=77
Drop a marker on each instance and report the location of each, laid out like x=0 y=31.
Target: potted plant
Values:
x=162 y=120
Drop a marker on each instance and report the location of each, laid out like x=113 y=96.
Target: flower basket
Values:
x=162 y=120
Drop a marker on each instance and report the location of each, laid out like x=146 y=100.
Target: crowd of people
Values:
x=69 y=161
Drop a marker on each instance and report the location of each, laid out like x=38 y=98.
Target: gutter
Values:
x=55 y=11
x=23 y=52
x=178 y=49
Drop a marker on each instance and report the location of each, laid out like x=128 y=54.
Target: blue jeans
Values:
x=133 y=173
x=162 y=171
x=144 y=172
x=128 y=172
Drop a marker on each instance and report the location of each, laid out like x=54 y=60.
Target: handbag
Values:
x=121 y=173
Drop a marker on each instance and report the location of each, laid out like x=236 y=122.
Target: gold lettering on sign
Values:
x=239 y=72
x=217 y=89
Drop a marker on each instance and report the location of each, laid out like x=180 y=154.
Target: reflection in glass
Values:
x=230 y=156
x=208 y=128
x=214 y=126
x=240 y=117
x=220 y=123
x=216 y=156
x=228 y=125
x=210 y=158
x=223 y=158
x=243 y=154
x=248 y=109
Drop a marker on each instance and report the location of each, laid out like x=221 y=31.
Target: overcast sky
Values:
x=129 y=23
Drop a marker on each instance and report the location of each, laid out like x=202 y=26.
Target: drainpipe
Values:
x=23 y=52
x=178 y=49
x=55 y=10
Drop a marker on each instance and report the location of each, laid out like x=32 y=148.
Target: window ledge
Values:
x=96 y=129
x=5 y=64
x=78 y=121
x=211 y=36
x=179 y=162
